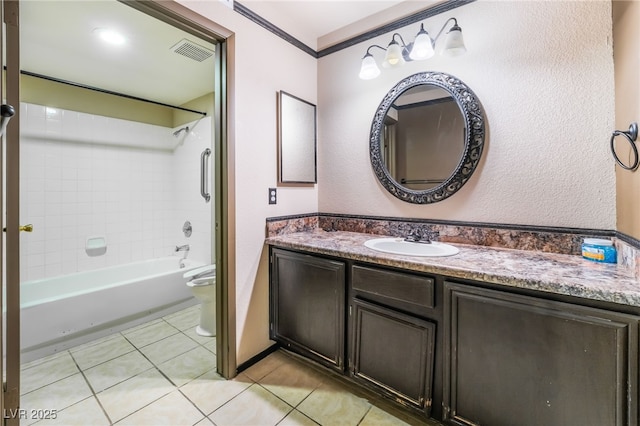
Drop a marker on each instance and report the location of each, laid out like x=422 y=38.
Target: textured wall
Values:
x=544 y=73
x=626 y=37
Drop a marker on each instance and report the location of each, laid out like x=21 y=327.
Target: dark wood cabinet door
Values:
x=308 y=306
x=393 y=353
x=512 y=359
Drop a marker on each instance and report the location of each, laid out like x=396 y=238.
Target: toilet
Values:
x=202 y=283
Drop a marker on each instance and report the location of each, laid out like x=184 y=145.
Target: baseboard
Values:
x=257 y=358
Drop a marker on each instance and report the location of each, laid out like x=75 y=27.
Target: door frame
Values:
x=11 y=174
x=177 y=15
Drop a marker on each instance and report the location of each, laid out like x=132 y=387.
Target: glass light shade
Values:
x=454 y=43
x=369 y=69
x=394 y=55
x=422 y=47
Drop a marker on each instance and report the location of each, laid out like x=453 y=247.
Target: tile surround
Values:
x=186 y=390
x=85 y=175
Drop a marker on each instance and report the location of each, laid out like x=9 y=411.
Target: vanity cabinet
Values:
x=392 y=345
x=531 y=361
x=464 y=352
x=308 y=306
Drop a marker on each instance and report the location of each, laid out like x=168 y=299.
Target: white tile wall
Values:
x=85 y=175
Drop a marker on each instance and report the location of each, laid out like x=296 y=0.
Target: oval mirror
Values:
x=426 y=137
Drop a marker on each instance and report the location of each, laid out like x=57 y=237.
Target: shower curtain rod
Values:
x=108 y=92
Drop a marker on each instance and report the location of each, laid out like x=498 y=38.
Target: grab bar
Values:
x=204 y=173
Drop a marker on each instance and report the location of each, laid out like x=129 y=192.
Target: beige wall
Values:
x=44 y=92
x=203 y=103
x=546 y=159
x=544 y=74
x=264 y=64
x=626 y=52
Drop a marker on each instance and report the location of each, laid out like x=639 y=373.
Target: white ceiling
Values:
x=57 y=40
x=308 y=20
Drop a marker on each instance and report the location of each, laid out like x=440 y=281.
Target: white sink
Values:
x=399 y=246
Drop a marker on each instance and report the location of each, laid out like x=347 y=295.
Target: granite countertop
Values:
x=548 y=272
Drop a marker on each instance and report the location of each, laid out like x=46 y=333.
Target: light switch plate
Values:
x=273 y=196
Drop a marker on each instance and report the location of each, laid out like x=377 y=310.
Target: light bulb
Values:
x=394 y=55
x=369 y=69
x=422 y=48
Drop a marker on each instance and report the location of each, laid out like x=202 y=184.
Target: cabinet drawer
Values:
x=396 y=288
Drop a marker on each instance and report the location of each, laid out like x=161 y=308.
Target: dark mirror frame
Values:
x=473 y=115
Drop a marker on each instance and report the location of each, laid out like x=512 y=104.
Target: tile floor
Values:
x=163 y=373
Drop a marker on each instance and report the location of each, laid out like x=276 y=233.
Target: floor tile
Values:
x=203 y=340
x=168 y=348
x=116 y=370
x=376 y=417
x=47 y=372
x=185 y=319
x=95 y=342
x=148 y=335
x=39 y=361
x=296 y=418
x=292 y=382
x=131 y=395
x=188 y=366
x=332 y=404
x=141 y=326
x=210 y=391
x=266 y=366
x=56 y=396
x=97 y=354
x=133 y=391
x=172 y=410
x=85 y=413
x=255 y=406
x=211 y=345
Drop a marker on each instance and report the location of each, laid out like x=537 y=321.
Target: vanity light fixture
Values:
x=423 y=47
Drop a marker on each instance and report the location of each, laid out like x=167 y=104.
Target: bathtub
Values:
x=56 y=313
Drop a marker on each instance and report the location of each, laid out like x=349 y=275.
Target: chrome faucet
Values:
x=185 y=249
x=417 y=236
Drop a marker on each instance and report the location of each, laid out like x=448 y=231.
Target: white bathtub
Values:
x=63 y=309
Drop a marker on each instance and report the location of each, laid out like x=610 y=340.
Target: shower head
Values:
x=184 y=129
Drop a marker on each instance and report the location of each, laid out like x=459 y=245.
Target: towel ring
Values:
x=631 y=135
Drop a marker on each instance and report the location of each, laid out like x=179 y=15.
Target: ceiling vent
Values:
x=192 y=50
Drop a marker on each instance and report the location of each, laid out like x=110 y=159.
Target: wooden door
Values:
x=512 y=359
x=393 y=353
x=308 y=306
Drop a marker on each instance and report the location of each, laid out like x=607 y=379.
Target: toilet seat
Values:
x=202 y=282
x=201 y=271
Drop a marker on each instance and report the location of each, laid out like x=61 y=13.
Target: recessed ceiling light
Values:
x=110 y=36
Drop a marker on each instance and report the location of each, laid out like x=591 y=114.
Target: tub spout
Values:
x=185 y=249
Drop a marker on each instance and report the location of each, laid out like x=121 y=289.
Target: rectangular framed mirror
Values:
x=296 y=139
